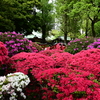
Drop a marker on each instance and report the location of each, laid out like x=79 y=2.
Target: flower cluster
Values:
x=12 y=84
x=33 y=62
x=67 y=84
x=95 y=44
x=77 y=45
x=15 y=43
x=3 y=54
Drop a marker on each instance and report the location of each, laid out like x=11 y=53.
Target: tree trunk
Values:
x=86 y=31
x=43 y=33
x=93 y=31
x=65 y=27
x=65 y=37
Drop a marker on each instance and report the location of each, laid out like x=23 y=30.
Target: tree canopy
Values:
x=18 y=15
x=24 y=16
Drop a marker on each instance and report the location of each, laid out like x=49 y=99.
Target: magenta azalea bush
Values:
x=95 y=44
x=15 y=43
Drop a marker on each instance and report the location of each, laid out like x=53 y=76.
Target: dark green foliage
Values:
x=18 y=16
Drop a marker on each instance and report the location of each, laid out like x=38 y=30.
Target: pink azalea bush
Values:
x=16 y=43
x=58 y=48
x=37 y=46
x=77 y=45
x=67 y=84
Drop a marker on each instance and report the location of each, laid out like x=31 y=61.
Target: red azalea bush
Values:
x=48 y=52
x=61 y=58
x=3 y=49
x=33 y=62
x=3 y=55
x=88 y=60
x=59 y=46
x=67 y=84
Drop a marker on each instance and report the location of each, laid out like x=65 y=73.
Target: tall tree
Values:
x=46 y=18
x=6 y=15
x=25 y=18
x=68 y=23
x=18 y=15
x=90 y=9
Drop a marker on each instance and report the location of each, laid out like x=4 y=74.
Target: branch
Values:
x=90 y=18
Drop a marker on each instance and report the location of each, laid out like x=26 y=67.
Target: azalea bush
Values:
x=59 y=46
x=11 y=86
x=60 y=75
x=61 y=58
x=33 y=62
x=95 y=44
x=3 y=57
x=77 y=45
x=67 y=84
x=49 y=52
x=37 y=46
x=87 y=60
x=15 y=43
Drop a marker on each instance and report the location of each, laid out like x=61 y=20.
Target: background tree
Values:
x=25 y=18
x=6 y=16
x=68 y=23
x=18 y=15
x=90 y=9
x=46 y=16
x=97 y=29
